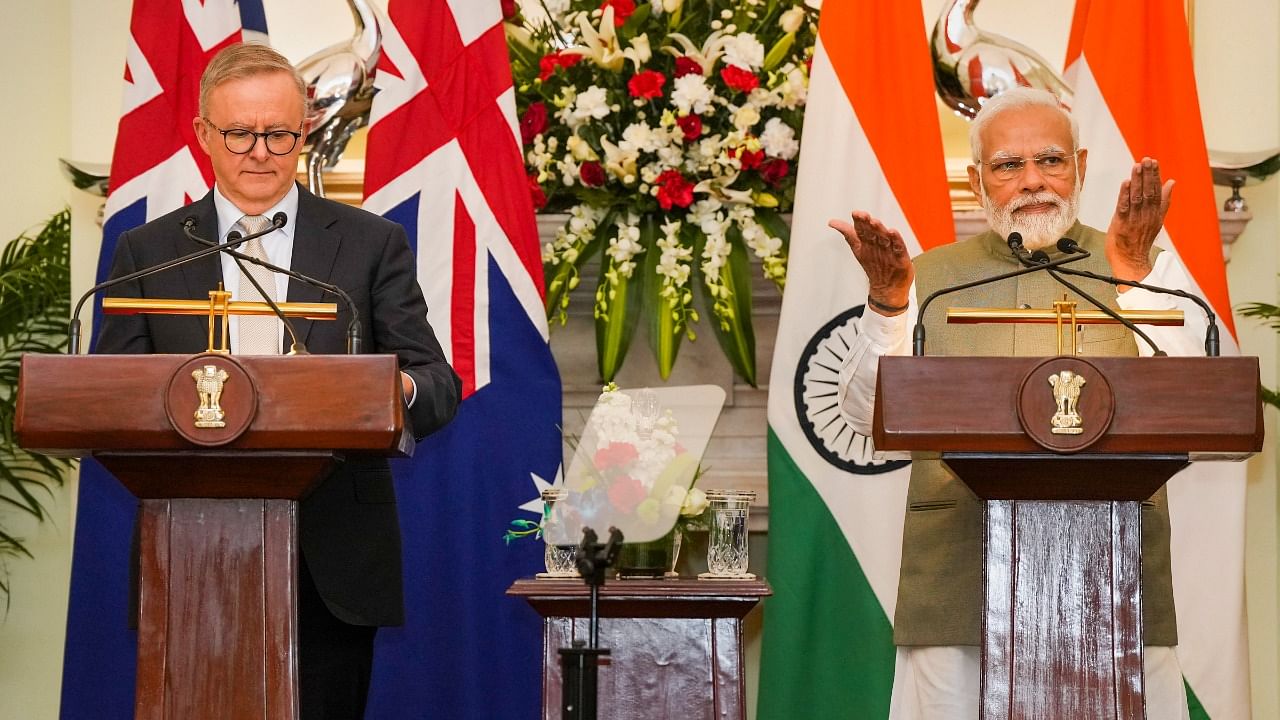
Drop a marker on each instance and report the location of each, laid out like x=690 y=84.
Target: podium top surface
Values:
x=1208 y=408
x=79 y=404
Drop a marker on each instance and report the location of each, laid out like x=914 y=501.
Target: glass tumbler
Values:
x=561 y=560
x=727 y=544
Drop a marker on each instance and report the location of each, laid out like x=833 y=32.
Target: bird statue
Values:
x=340 y=91
x=971 y=65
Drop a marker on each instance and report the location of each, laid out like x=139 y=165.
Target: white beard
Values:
x=1040 y=230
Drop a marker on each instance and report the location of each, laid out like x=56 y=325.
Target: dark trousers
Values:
x=334 y=659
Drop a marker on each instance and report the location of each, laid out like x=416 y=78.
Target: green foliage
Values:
x=1270 y=314
x=35 y=290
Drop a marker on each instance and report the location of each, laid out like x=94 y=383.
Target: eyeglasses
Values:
x=241 y=142
x=1052 y=164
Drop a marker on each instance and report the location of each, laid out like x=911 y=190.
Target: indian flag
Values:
x=872 y=142
x=1135 y=95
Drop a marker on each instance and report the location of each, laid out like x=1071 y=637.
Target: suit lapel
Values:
x=200 y=276
x=315 y=248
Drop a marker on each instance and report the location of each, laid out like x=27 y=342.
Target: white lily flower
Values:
x=706 y=56
x=639 y=52
x=600 y=47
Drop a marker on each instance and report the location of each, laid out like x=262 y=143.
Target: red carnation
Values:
x=674 y=190
x=739 y=79
x=625 y=493
x=535 y=193
x=774 y=170
x=615 y=455
x=686 y=65
x=533 y=122
x=548 y=64
x=750 y=159
x=508 y=9
x=647 y=84
x=691 y=126
x=622 y=10
x=591 y=173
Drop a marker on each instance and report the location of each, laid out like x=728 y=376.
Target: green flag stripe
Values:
x=828 y=647
x=1193 y=703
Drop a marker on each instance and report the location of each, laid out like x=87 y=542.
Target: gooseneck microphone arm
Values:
x=354 y=341
x=1212 y=342
x=73 y=332
x=918 y=332
x=296 y=346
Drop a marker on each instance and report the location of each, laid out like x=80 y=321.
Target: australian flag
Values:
x=157 y=167
x=444 y=160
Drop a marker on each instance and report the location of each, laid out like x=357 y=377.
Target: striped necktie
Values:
x=258 y=334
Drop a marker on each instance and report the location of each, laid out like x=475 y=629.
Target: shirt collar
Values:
x=229 y=214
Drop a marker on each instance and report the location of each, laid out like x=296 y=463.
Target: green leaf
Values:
x=616 y=325
x=665 y=332
x=734 y=332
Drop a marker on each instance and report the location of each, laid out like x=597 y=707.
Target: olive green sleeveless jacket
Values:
x=940 y=589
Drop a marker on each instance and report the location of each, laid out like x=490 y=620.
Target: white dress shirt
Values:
x=278 y=245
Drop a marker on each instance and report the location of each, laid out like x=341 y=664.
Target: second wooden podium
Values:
x=219 y=449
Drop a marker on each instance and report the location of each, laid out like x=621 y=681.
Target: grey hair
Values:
x=243 y=60
x=1013 y=99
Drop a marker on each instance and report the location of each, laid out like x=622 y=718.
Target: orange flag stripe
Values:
x=879 y=52
x=1148 y=81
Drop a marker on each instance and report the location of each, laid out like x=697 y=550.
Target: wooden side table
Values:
x=676 y=645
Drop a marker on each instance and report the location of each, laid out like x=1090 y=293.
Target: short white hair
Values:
x=1014 y=99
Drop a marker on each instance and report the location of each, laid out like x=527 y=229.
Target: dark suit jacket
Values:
x=350 y=533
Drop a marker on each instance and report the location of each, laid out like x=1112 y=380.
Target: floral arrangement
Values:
x=668 y=131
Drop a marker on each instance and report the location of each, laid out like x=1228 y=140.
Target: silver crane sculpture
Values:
x=340 y=91
x=971 y=65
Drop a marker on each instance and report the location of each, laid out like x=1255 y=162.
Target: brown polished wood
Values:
x=1062 y=623
x=675 y=645
x=217 y=595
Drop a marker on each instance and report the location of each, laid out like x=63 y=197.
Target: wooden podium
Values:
x=1063 y=477
x=217 y=634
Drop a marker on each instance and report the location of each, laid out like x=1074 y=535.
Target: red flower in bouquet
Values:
x=591 y=173
x=548 y=64
x=615 y=455
x=508 y=9
x=647 y=84
x=739 y=79
x=774 y=170
x=535 y=193
x=674 y=190
x=533 y=122
x=749 y=159
x=622 y=10
x=625 y=493
x=691 y=126
x=686 y=65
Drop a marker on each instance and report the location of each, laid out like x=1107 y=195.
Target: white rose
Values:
x=694 y=503
x=638 y=137
x=743 y=50
x=779 y=140
x=791 y=19
x=591 y=103
x=746 y=116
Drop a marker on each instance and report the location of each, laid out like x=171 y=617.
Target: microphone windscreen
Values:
x=1040 y=256
x=1015 y=240
x=1067 y=245
x=190 y=221
x=280 y=219
x=233 y=236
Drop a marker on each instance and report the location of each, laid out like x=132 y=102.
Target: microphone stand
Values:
x=580 y=663
x=73 y=330
x=1212 y=342
x=296 y=346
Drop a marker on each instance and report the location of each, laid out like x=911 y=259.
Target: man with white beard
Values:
x=1027 y=172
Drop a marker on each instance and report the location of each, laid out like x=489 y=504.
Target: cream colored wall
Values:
x=72 y=54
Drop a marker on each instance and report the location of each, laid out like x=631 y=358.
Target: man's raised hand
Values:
x=1140 y=210
x=883 y=255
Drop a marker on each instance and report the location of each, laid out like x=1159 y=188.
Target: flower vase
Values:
x=652 y=559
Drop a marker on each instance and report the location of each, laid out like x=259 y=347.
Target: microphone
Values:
x=73 y=330
x=354 y=341
x=918 y=332
x=1040 y=259
x=1212 y=343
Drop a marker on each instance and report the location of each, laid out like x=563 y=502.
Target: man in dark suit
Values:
x=252 y=110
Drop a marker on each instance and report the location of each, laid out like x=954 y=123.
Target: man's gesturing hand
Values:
x=1140 y=211
x=883 y=256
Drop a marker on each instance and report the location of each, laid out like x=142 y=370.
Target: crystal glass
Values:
x=727 y=544
x=561 y=560
x=646 y=409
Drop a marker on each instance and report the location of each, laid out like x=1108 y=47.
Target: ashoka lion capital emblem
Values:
x=209 y=380
x=1066 y=395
